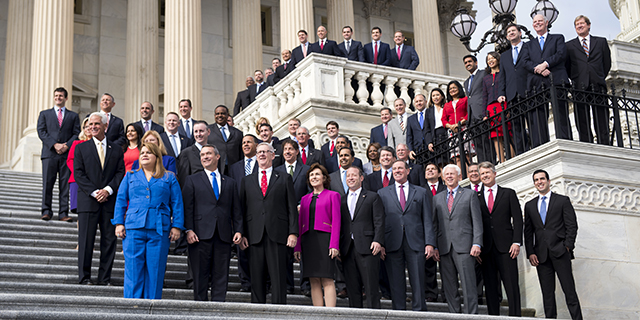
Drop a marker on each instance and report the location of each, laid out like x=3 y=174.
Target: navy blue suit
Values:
x=297 y=55
x=377 y=135
x=184 y=143
x=408 y=58
x=513 y=83
x=356 y=52
x=330 y=47
x=154 y=126
x=299 y=178
x=236 y=171
x=115 y=131
x=418 y=138
x=254 y=91
x=384 y=54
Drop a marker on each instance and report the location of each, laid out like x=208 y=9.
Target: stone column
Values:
x=183 y=55
x=51 y=67
x=142 y=57
x=296 y=15
x=16 y=80
x=247 y=41
x=339 y=15
x=427 y=35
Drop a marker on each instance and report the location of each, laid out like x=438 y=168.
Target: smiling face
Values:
x=185 y=109
x=492 y=62
x=293 y=126
x=398 y=38
x=385 y=116
x=146 y=110
x=266 y=134
x=431 y=173
x=375 y=34
x=286 y=55
x=582 y=28
x=96 y=127
x=400 y=106
x=59 y=99
x=322 y=32
x=265 y=156
x=171 y=123
x=248 y=81
x=259 y=76
x=209 y=158
x=470 y=65
x=345 y=158
x=386 y=159
x=402 y=152
x=147 y=159
x=201 y=133
x=151 y=139
x=451 y=177
x=372 y=153
x=488 y=177
x=221 y=115
x=539 y=24
x=474 y=175
x=303 y=137
x=347 y=33
x=354 y=179
x=316 y=178
x=453 y=90
x=106 y=103
x=436 y=98
x=87 y=131
x=249 y=146
x=302 y=37
x=541 y=182
x=289 y=153
x=419 y=102
x=132 y=134
x=332 y=131
x=514 y=35
x=400 y=172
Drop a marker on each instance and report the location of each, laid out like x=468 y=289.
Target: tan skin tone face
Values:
x=541 y=182
x=209 y=158
x=453 y=90
x=289 y=153
x=431 y=173
x=151 y=139
x=132 y=135
x=345 y=158
x=436 y=98
x=398 y=38
x=286 y=55
x=347 y=33
x=86 y=130
x=402 y=152
x=400 y=106
x=322 y=32
x=513 y=35
x=59 y=99
x=259 y=76
x=400 y=172
x=248 y=147
x=266 y=134
x=582 y=28
x=354 y=179
x=376 y=34
x=303 y=137
x=487 y=176
x=385 y=116
x=106 y=103
x=147 y=159
x=185 y=109
x=470 y=65
x=146 y=111
x=302 y=37
x=316 y=179
x=419 y=102
x=96 y=127
x=493 y=63
x=386 y=159
x=474 y=175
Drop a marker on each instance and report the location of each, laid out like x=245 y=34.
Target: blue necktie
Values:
x=541 y=43
x=470 y=81
x=224 y=135
x=421 y=119
x=515 y=56
x=174 y=145
x=543 y=209
x=344 y=181
x=215 y=185
x=188 y=131
x=247 y=167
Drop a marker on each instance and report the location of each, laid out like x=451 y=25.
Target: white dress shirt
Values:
x=405 y=186
x=198 y=145
x=389 y=174
x=548 y=196
x=104 y=149
x=292 y=165
x=493 y=189
x=268 y=172
x=588 y=37
x=252 y=164
x=176 y=137
x=351 y=204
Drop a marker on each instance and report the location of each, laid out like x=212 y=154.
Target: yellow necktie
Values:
x=101 y=154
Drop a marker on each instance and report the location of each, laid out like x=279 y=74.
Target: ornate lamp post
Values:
x=463 y=24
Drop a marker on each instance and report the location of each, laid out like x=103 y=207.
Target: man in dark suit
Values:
x=300 y=52
x=476 y=110
x=256 y=88
x=189 y=162
x=308 y=155
x=266 y=135
x=115 y=126
x=213 y=220
x=433 y=184
x=377 y=52
x=329 y=148
x=174 y=141
x=275 y=63
x=502 y=224
x=550 y=230
x=588 y=63
x=271 y=225
x=513 y=83
x=146 y=111
x=333 y=163
x=324 y=45
x=285 y=68
x=380 y=133
x=242 y=98
x=546 y=55
x=98 y=167
x=227 y=139
x=409 y=237
x=416 y=172
x=351 y=49
x=458 y=226
x=339 y=177
x=403 y=56
x=57 y=129
x=361 y=239
x=186 y=121
x=418 y=128
x=294 y=167
x=384 y=177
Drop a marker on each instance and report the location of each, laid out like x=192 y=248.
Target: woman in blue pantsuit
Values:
x=154 y=217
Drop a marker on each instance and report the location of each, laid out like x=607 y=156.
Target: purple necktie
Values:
x=403 y=201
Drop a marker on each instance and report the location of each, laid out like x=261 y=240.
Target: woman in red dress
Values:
x=490 y=98
x=134 y=134
x=454 y=117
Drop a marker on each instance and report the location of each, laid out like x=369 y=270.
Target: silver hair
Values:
x=103 y=117
x=303 y=128
x=543 y=16
x=451 y=165
x=271 y=149
x=109 y=94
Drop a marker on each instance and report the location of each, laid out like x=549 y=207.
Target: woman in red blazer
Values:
x=319 y=225
x=84 y=135
x=454 y=117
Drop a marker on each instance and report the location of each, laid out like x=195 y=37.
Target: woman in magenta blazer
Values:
x=319 y=225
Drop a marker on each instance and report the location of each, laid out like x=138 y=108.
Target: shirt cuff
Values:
x=477 y=245
x=95 y=193
x=518 y=244
x=108 y=188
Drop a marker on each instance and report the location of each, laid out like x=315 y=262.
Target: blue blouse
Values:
x=149 y=204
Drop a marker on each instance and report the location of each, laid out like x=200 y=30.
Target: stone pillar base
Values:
x=26 y=157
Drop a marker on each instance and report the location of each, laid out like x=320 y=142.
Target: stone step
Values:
x=72 y=253
x=24 y=223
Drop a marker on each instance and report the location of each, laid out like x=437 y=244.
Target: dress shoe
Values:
x=46 y=217
x=68 y=219
x=429 y=299
x=306 y=293
x=343 y=294
x=290 y=290
x=86 y=282
x=104 y=283
x=245 y=289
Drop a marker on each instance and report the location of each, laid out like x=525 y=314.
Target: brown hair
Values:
x=154 y=133
x=327 y=180
x=155 y=150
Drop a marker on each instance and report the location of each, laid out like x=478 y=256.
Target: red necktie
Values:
x=403 y=201
x=476 y=188
x=331 y=148
x=398 y=53
x=433 y=189
x=385 y=181
x=285 y=66
x=450 y=201
x=60 y=117
x=304 y=157
x=321 y=44
x=385 y=130
x=375 y=52
x=108 y=118
x=263 y=183
x=490 y=201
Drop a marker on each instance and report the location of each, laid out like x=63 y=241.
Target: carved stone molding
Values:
x=381 y=8
x=618 y=198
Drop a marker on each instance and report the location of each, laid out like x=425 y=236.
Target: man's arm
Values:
x=560 y=55
x=360 y=52
x=570 y=223
x=415 y=60
x=43 y=134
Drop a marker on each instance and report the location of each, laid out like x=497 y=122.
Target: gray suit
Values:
x=457 y=232
x=336 y=182
x=406 y=235
x=395 y=134
x=476 y=110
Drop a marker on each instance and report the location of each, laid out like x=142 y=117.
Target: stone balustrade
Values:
x=324 y=88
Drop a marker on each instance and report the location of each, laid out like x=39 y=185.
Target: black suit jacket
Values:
x=297 y=56
x=184 y=143
x=513 y=78
x=236 y=171
x=367 y=224
x=313 y=156
x=275 y=213
x=183 y=132
x=330 y=48
x=51 y=133
x=154 y=126
x=336 y=182
x=554 y=53
x=230 y=151
x=115 y=131
x=384 y=54
x=373 y=181
x=189 y=163
x=356 y=52
x=425 y=184
x=299 y=178
x=418 y=138
x=281 y=72
x=503 y=225
x=242 y=101
x=408 y=58
x=557 y=234
x=204 y=214
x=377 y=135
x=90 y=176
x=586 y=71
x=253 y=91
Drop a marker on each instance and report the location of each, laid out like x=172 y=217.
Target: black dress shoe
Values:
x=86 y=282
x=68 y=219
x=306 y=293
x=104 y=283
x=342 y=294
x=46 y=217
x=290 y=290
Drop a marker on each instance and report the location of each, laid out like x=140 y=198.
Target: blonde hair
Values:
x=157 y=136
x=260 y=122
x=155 y=150
x=83 y=136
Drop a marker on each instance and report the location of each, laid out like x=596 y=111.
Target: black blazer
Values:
x=184 y=143
x=418 y=138
x=253 y=93
x=513 y=78
x=242 y=101
x=281 y=72
x=154 y=126
x=204 y=214
x=230 y=151
x=408 y=58
x=297 y=56
x=330 y=48
x=593 y=70
x=332 y=164
x=367 y=225
x=554 y=53
x=299 y=178
x=91 y=177
x=336 y=182
x=236 y=171
x=490 y=89
x=503 y=225
x=276 y=211
x=115 y=131
x=384 y=54
x=313 y=156
x=373 y=181
x=425 y=184
x=356 y=52
x=183 y=132
x=51 y=133
x=189 y=163
x=557 y=234
x=377 y=135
